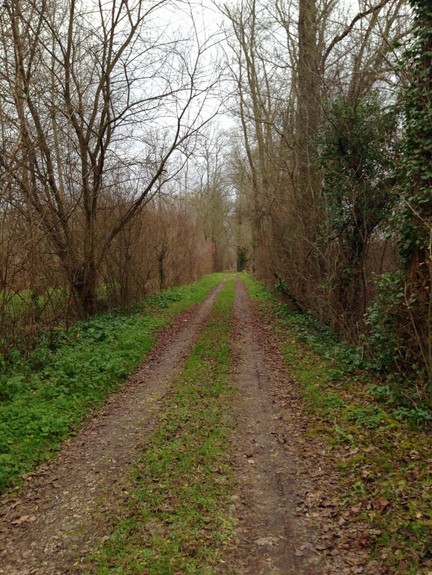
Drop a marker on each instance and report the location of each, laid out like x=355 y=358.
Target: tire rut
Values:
x=272 y=539
x=63 y=512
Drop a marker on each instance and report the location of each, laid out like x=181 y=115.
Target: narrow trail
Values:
x=272 y=539
x=287 y=518
x=61 y=514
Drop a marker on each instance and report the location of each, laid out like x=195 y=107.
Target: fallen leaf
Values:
x=24 y=519
x=363 y=541
x=380 y=504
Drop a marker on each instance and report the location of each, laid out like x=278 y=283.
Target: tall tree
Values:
x=249 y=36
x=308 y=84
x=415 y=239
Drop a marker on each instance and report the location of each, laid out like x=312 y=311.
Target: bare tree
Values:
x=100 y=98
x=257 y=81
x=289 y=59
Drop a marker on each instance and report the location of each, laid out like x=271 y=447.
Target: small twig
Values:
x=349 y=29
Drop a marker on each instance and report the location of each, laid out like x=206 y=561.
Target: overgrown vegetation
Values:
x=334 y=180
x=384 y=461
x=357 y=155
x=177 y=518
x=45 y=396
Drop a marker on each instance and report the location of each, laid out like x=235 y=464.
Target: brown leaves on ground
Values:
x=372 y=491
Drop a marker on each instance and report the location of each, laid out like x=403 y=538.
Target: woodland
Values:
x=215 y=287
x=145 y=144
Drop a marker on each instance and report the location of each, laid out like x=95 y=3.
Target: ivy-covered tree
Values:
x=415 y=232
x=357 y=155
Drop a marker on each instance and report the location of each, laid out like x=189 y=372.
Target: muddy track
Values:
x=285 y=503
x=271 y=539
x=64 y=509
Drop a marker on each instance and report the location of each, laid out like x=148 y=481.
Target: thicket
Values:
x=164 y=246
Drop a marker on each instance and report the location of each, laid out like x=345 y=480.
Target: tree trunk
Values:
x=83 y=279
x=416 y=231
x=308 y=180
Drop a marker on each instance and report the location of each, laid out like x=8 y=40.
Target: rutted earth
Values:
x=58 y=517
x=288 y=523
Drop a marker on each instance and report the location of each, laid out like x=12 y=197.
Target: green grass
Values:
x=46 y=396
x=384 y=463
x=177 y=519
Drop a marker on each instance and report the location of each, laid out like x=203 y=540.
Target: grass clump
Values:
x=177 y=519
x=45 y=396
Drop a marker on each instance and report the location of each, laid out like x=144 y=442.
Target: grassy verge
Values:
x=45 y=396
x=177 y=519
x=385 y=463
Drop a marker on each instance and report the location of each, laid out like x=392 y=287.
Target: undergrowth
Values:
x=177 y=518
x=396 y=395
x=385 y=462
x=45 y=396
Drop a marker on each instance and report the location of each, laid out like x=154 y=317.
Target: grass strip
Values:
x=46 y=396
x=177 y=518
x=385 y=464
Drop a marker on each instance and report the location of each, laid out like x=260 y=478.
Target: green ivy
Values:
x=415 y=214
x=357 y=153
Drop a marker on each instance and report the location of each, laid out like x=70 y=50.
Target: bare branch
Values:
x=349 y=29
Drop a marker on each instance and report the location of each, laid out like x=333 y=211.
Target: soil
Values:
x=288 y=521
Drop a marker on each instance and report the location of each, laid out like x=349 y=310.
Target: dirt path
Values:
x=62 y=512
x=288 y=521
